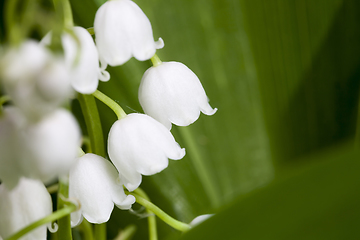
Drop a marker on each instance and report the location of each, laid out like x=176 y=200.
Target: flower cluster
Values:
x=40 y=139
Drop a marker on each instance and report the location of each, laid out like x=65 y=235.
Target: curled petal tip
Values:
x=181 y=154
x=131 y=187
x=126 y=204
x=159 y=44
x=212 y=112
x=53 y=227
x=104 y=76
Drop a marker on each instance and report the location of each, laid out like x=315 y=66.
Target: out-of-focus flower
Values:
x=82 y=60
x=200 y=219
x=95 y=183
x=122 y=31
x=23 y=205
x=41 y=150
x=36 y=80
x=172 y=93
x=138 y=144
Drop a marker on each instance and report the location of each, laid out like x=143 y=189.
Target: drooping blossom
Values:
x=36 y=80
x=171 y=93
x=139 y=145
x=95 y=183
x=82 y=59
x=41 y=150
x=28 y=202
x=122 y=31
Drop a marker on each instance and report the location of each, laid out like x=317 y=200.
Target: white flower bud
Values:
x=83 y=61
x=28 y=202
x=36 y=81
x=122 y=31
x=41 y=150
x=172 y=93
x=137 y=145
x=94 y=182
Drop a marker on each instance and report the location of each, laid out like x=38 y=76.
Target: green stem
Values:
x=86 y=229
x=100 y=231
x=12 y=28
x=127 y=233
x=64 y=232
x=151 y=218
x=161 y=214
x=93 y=124
x=156 y=60
x=50 y=218
x=63 y=8
x=110 y=103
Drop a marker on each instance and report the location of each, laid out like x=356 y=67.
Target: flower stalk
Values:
x=151 y=218
x=156 y=60
x=120 y=113
x=50 y=218
x=64 y=231
x=161 y=214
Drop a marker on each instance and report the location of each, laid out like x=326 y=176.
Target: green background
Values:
x=278 y=160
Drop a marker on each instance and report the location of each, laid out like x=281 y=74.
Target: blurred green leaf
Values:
x=319 y=200
x=285 y=78
x=307 y=56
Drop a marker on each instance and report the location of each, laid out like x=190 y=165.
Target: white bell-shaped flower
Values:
x=11 y=121
x=122 y=31
x=95 y=183
x=28 y=202
x=138 y=144
x=36 y=80
x=82 y=60
x=41 y=150
x=51 y=146
x=171 y=93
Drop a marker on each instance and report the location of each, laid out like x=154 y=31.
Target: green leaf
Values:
x=284 y=76
x=319 y=200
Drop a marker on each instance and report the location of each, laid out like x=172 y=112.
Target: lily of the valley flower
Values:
x=36 y=80
x=41 y=150
x=85 y=70
x=171 y=93
x=138 y=144
x=122 y=31
x=82 y=60
x=23 y=205
x=94 y=182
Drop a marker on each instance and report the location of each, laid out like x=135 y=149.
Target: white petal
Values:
x=122 y=30
x=137 y=145
x=82 y=59
x=26 y=203
x=10 y=122
x=200 y=219
x=171 y=92
x=127 y=203
x=93 y=182
x=36 y=80
x=51 y=146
